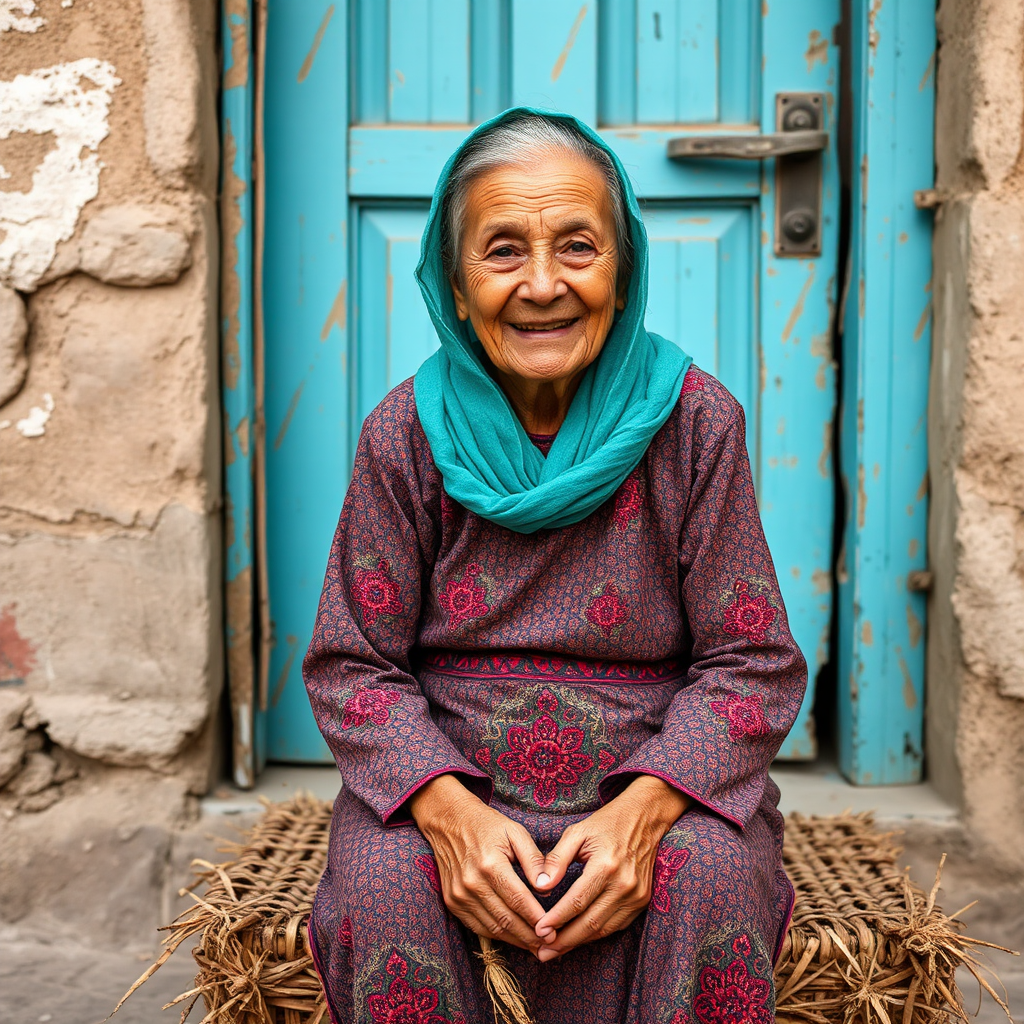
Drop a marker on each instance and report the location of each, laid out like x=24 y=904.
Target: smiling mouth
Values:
x=554 y=325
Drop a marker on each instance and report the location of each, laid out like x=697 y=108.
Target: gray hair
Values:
x=516 y=141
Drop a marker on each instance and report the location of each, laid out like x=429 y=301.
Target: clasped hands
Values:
x=475 y=847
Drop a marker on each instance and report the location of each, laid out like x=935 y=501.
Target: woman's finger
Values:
x=584 y=891
x=511 y=927
x=516 y=895
x=557 y=862
x=530 y=859
x=605 y=916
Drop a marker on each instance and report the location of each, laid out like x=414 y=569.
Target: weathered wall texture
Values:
x=975 y=738
x=110 y=620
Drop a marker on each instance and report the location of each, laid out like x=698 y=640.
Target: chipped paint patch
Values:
x=307 y=64
x=821 y=580
x=282 y=679
x=825 y=458
x=909 y=693
x=569 y=44
x=52 y=99
x=926 y=316
x=17 y=655
x=867 y=634
x=337 y=317
x=286 y=422
x=34 y=424
x=236 y=14
x=817 y=50
x=798 y=307
x=914 y=627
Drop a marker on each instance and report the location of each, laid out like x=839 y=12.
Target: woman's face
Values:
x=539 y=266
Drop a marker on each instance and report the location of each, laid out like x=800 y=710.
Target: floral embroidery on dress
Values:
x=369 y=706
x=666 y=867
x=545 y=757
x=345 y=933
x=464 y=598
x=607 y=611
x=407 y=995
x=628 y=502
x=693 y=381
x=745 y=715
x=747 y=615
x=551 y=746
x=376 y=591
x=428 y=866
x=731 y=994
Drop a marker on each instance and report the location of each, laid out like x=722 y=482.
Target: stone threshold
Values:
x=815 y=788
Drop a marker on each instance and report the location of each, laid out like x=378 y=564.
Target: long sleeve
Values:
x=358 y=673
x=747 y=676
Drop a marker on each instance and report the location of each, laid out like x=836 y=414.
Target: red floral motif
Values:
x=483 y=757
x=404 y=1003
x=605 y=759
x=428 y=866
x=345 y=933
x=463 y=599
x=748 y=616
x=693 y=381
x=732 y=996
x=627 y=503
x=545 y=757
x=376 y=591
x=607 y=611
x=666 y=867
x=745 y=715
x=369 y=706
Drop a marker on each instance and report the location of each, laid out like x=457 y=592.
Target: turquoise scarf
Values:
x=488 y=462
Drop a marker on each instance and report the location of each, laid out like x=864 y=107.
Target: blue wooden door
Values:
x=364 y=102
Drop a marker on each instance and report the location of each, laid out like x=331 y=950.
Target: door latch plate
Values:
x=798 y=177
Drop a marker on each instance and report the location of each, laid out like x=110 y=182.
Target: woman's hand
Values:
x=474 y=847
x=618 y=845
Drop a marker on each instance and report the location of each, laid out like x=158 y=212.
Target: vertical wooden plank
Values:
x=739 y=57
x=449 y=61
x=797 y=379
x=306 y=344
x=489 y=58
x=677 y=61
x=370 y=77
x=236 y=218
x=409 y=44
x=616 y=47
x=886 y=353
x=554 y=55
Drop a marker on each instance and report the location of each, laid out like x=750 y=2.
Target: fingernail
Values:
x=551 y=937
x=545 y=955
x=543 y=879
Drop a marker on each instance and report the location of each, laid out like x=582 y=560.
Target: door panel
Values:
x=701 y=293
x=642 y=72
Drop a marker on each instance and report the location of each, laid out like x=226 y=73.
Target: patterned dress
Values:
x=546 y=671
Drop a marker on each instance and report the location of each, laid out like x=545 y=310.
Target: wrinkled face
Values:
x=538 y=266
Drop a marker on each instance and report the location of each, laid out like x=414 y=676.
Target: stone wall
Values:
x=110 y=618
x=975 y=735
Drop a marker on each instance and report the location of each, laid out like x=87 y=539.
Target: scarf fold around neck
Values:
x=487 y=461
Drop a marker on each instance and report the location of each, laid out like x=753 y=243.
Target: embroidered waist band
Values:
x=519 y=665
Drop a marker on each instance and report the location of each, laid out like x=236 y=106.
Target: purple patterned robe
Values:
x=546 y=671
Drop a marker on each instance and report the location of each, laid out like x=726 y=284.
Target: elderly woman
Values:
x=551 y=658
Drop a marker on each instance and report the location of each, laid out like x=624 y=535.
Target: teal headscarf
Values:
x=488 y=462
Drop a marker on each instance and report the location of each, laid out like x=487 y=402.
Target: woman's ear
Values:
x=461 y=308
x=621 y=291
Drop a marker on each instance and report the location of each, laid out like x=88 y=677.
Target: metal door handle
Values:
x=747 y=147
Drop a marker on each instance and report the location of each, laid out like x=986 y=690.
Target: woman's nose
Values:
x=542 y=283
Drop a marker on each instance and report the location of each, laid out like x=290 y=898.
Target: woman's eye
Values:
x=580 y=247
x=503 y=251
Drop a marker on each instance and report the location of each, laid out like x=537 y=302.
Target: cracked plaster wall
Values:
x=976 y=434
x=110 y=618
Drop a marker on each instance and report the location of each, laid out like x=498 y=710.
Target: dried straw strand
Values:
x=506 y=996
